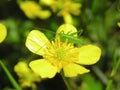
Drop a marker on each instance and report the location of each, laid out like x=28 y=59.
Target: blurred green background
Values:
x=98 y=20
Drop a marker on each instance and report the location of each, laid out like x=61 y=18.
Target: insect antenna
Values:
x=35 y=56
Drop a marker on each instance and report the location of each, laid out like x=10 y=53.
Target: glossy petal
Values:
x=3 y=32
x=89 y=54
x=43 y=68
x=67 y=29
x=36 y=42
x=72 y=70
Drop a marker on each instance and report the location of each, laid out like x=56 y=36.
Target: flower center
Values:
x=56 y=51
x=59 y=53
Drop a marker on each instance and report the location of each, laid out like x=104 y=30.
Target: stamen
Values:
x=58 y=53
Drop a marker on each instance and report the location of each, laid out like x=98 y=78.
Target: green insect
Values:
x=71 y=38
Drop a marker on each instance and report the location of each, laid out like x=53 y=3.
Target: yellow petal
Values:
x=43 y=68
x=44 y=14
x=47 y=2
x=36 y=42
x=30 y=8
x=72 y=70
x=89 y=54
x=67 y=29
x=3 y=32
x=21 y=68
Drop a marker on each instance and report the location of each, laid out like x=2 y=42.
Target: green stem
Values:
x=12 y=80
x=116 y=64
x=109 y=85
x=114 y=70
x=66 y=81
x=100 y=74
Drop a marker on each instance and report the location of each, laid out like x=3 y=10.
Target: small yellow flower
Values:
x=67 y=9
x=33 y=10
x=64 y=8
x=27 y=78
x=70 y=7
x=3 y=32
x=59 y=55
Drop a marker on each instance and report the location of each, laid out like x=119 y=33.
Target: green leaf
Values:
x=90 y=83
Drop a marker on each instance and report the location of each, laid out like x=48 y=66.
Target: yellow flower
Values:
x=67 y=6
x=3 y=32
x=27 y=78
x=58 y=55
x=32 y=10
x=64 y=8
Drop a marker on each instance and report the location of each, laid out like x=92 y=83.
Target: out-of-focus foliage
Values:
x=90 y=83
x=99 y=21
